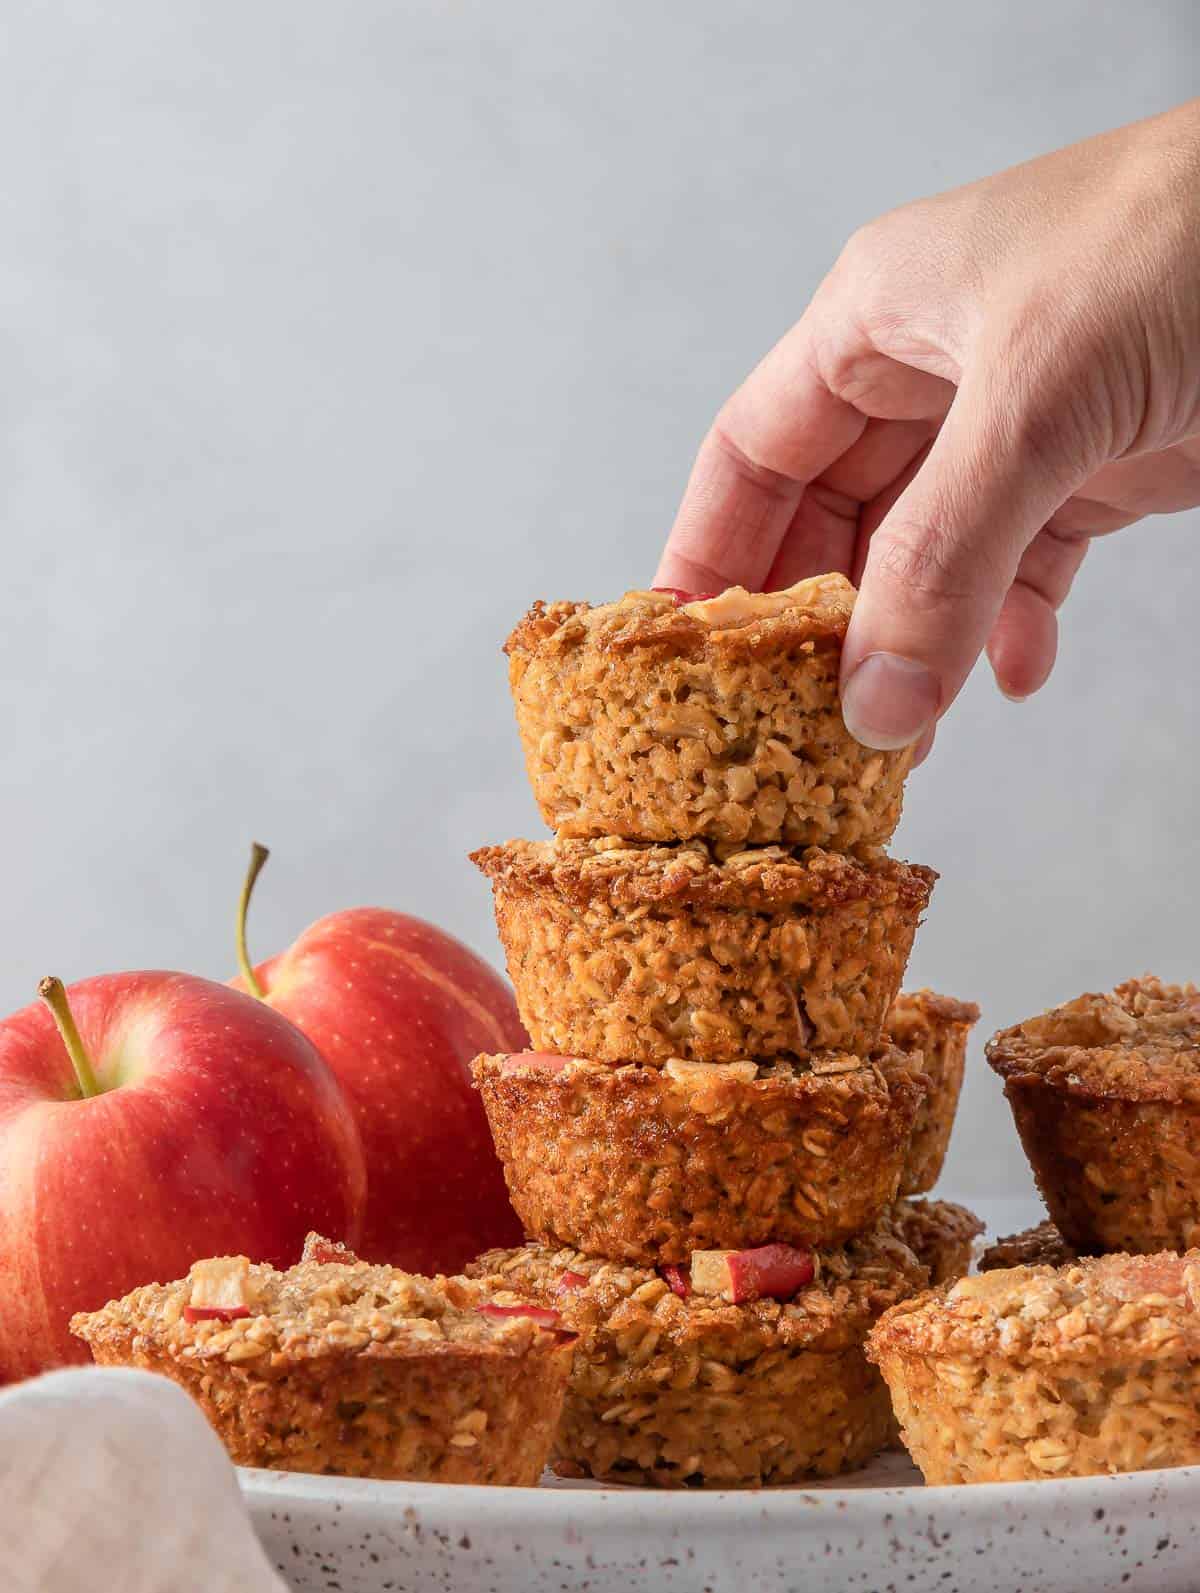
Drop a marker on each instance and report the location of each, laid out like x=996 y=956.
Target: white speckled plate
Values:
x=1087 y=1535
x=878 y=1531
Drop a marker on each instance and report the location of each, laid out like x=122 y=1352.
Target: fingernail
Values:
x=888 y=701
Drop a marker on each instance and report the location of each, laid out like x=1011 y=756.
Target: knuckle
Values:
x=1050 y=563
x=927 y=561
x=892 y=232
x=1056 y=391
x=860 y=248
x=1063 y=433
x=763 y=472
x=847 y=369
x=898 y=241
x=863 y=271
x=1047 y=431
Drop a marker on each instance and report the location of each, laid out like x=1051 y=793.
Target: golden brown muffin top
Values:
x=710 y=1086
x=317 y=1308
x=918 y=1014
x=851 y=1287
x=1111 y=1308
x=1140 y=1043
x=814 y=612
x=773 y=1076
x=1042 y=1246
x=631 y=873
x=924 y=1224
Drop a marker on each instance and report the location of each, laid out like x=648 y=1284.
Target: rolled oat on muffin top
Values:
x=1042 y=1246
x=941 y=1234
x=934 y=1029
x=1105 y=1091
x=629 y=952
x=649 y=1164
x=670 y=715
x=1034 y=1372
x=695 y=1377
x=340 y=1366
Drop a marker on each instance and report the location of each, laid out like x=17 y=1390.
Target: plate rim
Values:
x=538 y=1500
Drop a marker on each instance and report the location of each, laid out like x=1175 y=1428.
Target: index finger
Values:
x=776 y=434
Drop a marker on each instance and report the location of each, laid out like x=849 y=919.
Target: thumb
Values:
x=942 y=561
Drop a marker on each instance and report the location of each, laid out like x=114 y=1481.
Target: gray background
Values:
x=335 y=333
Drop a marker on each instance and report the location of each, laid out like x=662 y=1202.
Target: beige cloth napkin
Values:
x=112 y=1479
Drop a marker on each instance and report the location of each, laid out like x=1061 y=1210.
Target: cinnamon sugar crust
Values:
x=816 y=610
x=1139 y=1043
x=633 y=874
x=1111 y=1309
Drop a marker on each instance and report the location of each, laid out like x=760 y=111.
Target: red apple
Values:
x=323 y=1251
x=215 y=1313
x=399 y=1009
x=534 y=1062
x=219 y=1292
x=148 y=1120
x=774 y=1272
x=677 y=1281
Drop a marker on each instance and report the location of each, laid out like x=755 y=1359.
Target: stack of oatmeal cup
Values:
x=726 y=1100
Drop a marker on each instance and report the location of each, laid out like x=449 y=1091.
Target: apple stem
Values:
x=53 y=993
x=258 y=856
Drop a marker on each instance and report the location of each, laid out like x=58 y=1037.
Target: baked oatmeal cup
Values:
x=664 y=717
x=942 y=1235
x=1042 y=1246
x=342 y=1367
x=1105 y=1091
x=935 y=1028
x=700 y=1377
x=1034 y=1372
x=635 y=953
x=647 y=1165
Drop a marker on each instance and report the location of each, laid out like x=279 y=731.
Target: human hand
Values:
x=984 y=381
